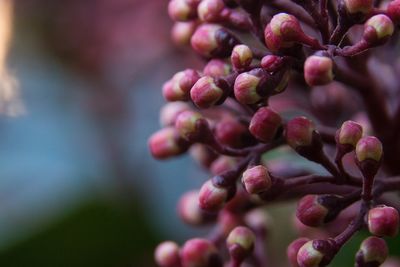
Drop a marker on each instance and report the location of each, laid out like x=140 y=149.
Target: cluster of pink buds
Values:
x=284 y=78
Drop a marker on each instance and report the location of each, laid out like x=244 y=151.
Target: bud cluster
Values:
x=248 y=118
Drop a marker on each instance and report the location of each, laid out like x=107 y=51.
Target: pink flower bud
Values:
x=192 y=126
x=212 y=40
x=230 y=132
x=349 y=134
x=212 y=197
x=189 y=210
x=378 y=29
x=310 y=212
x=240 y=242
x=241 y=56
x=222 y=163
x=167 y=143
x=227 y=221
x=383 y=221
x=178 y=88
x=373 y=252
x=182 y=10
x=167 y=254
x=182 y=32
x=206 y=93
x=199 y=252
x=264 y=124
x=294 y=248
x=256 y=179
x=271 y=63
x=299 y=132
x=358 y=6
x=170 y=111
x=393 y=11
x=203 y=155
x=217 y=68
x=369 y=148
x=283 y=31
x=313 y=253
x=246 y=85
x=318 y=70
x=210 y=10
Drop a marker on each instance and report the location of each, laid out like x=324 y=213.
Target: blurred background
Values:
x=80 y=85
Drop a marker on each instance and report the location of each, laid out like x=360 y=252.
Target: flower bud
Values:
x=358 y=6
x=182 y=32
x=294 y=248
x=192 y=126
x=373 y=252
x=299 y=132
x=272 y=63
x=216 y=68
x=247 y=85
x=167 y=143
x=178 y=88
x=314 y=253
x=170 y=111
x=393 y=11
x=241 y=56
x=212 y=197
x=182 y=10
x=348 y=136
x=222 y=163
x=203 y=155
x=318 y=70
x=206 y=93
x=210 y=10
x=227 y=221
x=167 y=254
x=230 y=132
x=310 y=212
x=378 y=29
x=256 y=179
x=240 y=242
x=265 y=124
x=383 y=221
x=189 y=210
x=283 y=31
x=211 y=40
x=199 y=252
x=369 y=153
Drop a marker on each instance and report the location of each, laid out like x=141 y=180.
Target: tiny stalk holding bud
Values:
x=235 y=109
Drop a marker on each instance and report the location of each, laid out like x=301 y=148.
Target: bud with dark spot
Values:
x=372 y=253
x=208 y=91
x=199 y=252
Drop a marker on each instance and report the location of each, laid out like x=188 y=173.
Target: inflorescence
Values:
x=262 y=57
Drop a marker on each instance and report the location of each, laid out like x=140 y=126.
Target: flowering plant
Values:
x=266 y=62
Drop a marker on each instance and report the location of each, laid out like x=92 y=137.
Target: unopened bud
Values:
x=393 y=11
x=182 y=32
x=199 y=252
x=178 y=88
x=182 y=10
x=210 y=10
x=206 y=93
x=241 y=56
x=358 y=6
x=240 y=242
x=369 y=153
x=299 y=132
x=378 y=29
x=318 y=70
x=170 y=111
x=314 y=253
x=212 y=197
x=348 y=136
x=217 y=68
x=256 y=179
x=383 y=221
x=211 y=40
x=189 y=210
x=167 y=254
x=272 y=63
x=230 y=132
x=167 y=143
x=247 y=86
x=373 y=252
x=293 y=250
x=192 y=126
x=264 y=124
x=223 y=163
